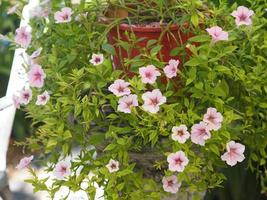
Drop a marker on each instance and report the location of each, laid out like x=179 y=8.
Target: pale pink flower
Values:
x=149 y=74
x=243 y=16
x=24 y=162
x=217 y=33
x=200 y=133
x=75 y=1
x=36 y=76
x=120 y=88
x=213 y=119
x=171 y=184
x=234 y=153
x=2 y=37
x=13 y=9
x=62 y=170
x=36 y=53
x=97 y=59
x=127 y=102
x=63 y=16
x=81 y=16
x=25 y=96
x=39 y=11
x=180 y=134
x=177 y=161
x=152 y=100
x=16 y=101
x=171 y=69
x=43 y=98
x=23 y=37
x=113 y=166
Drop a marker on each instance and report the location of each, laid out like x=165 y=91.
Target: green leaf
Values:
x=155 y=50
x=67 y=134
x=110 y=147
x=200 y=38
x=51 y=143
x=194 y=62
x=124 y=172
x=109 y=49
x=194 y=19
x=97 y=138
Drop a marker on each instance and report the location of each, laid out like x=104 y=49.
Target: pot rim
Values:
x=126 y=27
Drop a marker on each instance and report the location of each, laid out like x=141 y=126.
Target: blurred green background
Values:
x=241 y=184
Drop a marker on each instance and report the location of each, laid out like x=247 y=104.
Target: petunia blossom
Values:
x=113 y=166
x=171 y=69
x=12 y=9
x=243 y=16
x=43 y=98
x=171 y=184
x=63 y=16
x=200 y=133
x=24 y=162
x=127 y=102
x=120 y=88
x=40 y=11
x=62 y=170
x=217 y=33
x=75 y=1
x=177 y=161
x=36 y=53
x=153 y=100
x=213 y=118
x=36 y=76
x=149 y=74
x=23 y=37
x=180 y=133
x=16 y=101
x=25 y=96
x=97 y=59
x=234 y=153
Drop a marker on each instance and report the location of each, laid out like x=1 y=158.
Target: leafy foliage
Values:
x=228 y=75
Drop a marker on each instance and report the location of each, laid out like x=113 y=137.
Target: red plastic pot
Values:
x=170 y=39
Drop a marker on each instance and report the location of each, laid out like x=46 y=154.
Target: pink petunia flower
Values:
x=171 y=184
x=120 y=88
x=42 y=99
x=171 y=69
x=180 y=134
x=149 y=74
x=200 y=133
x=75 y=1
x=24 y=162
x=97 y=59
x=63 y=16
x=13 y=9
x=234 y=153
x=113 y=166
x=40 y=11
x=25 y=96
x=217 y=33
x=127 y=102
x=36 y=53
x=16 y=101
x=177 y=161
x=23 y=37
x=62 y=170
x=213 y=119
x=243 y=16
x=36 y=76
x=152 y=100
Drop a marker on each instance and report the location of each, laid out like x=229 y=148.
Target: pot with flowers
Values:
x=151 y=27
x=139 y=137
